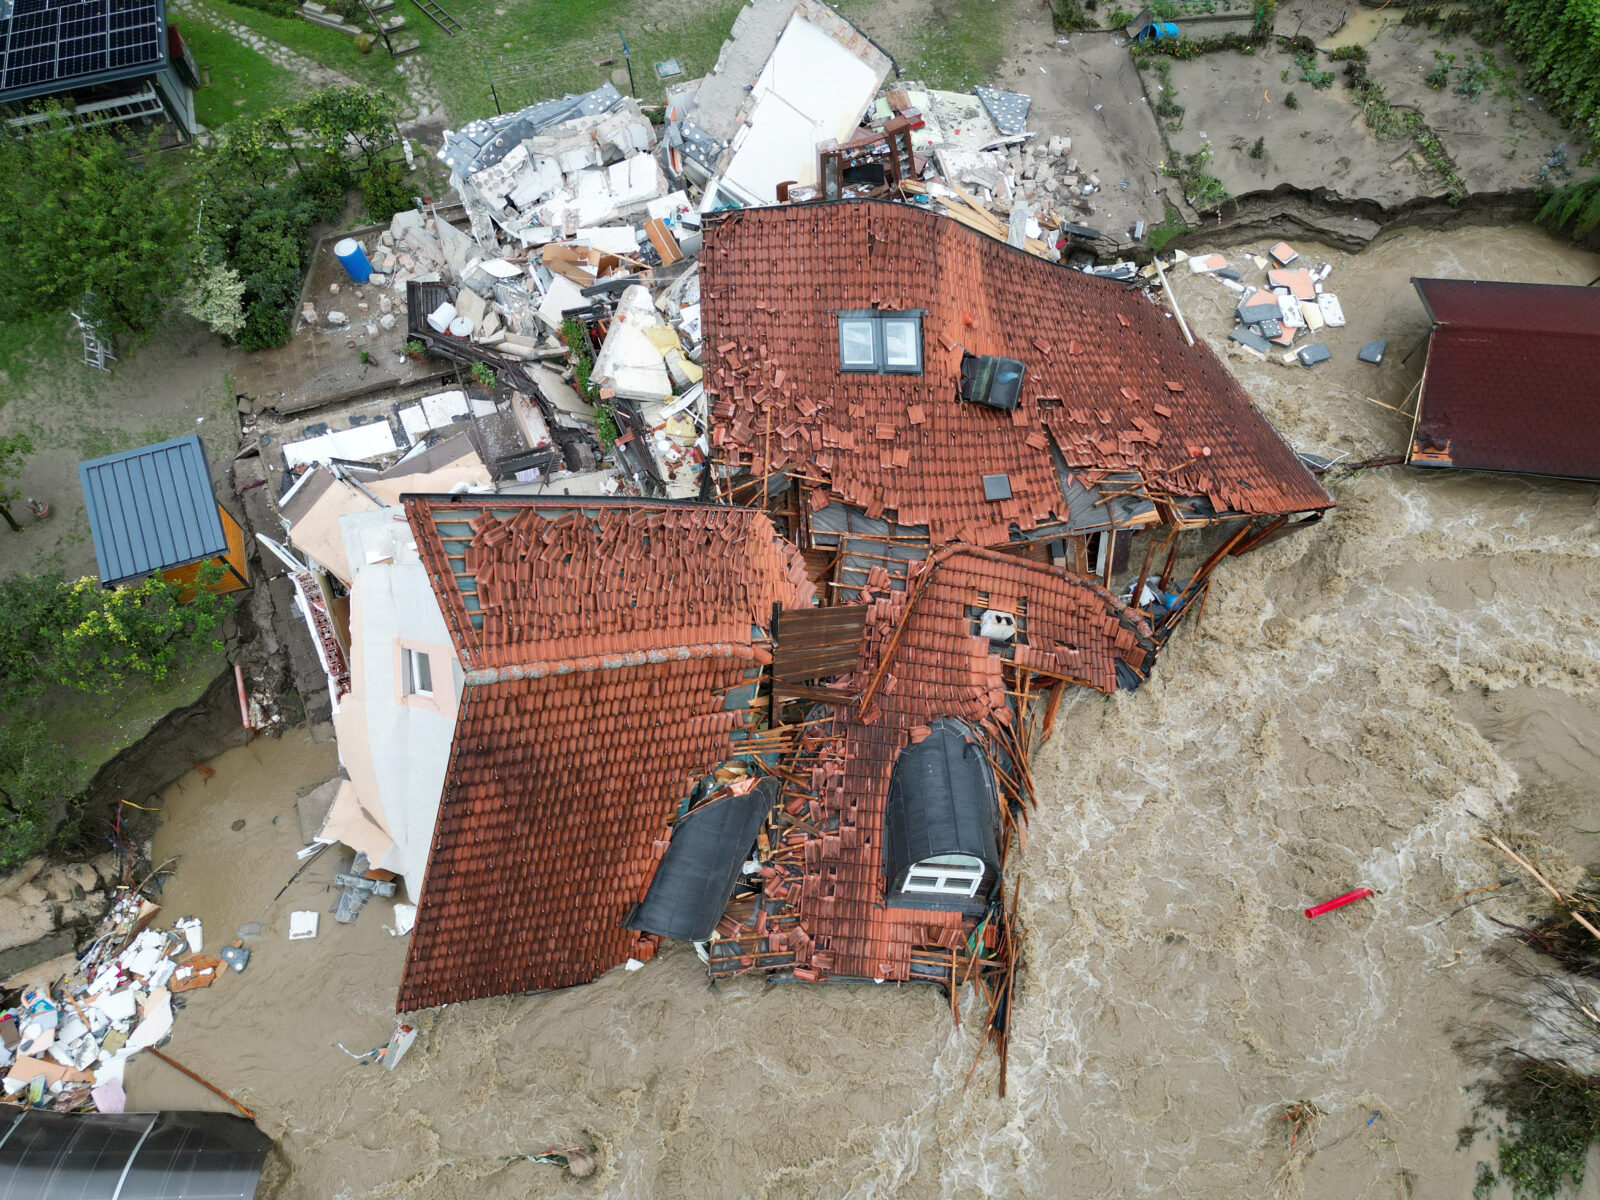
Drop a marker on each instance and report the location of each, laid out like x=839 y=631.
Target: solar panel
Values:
x=68 y=42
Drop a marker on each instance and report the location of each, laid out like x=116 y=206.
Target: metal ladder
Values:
x=439 y=17
x=96 y=350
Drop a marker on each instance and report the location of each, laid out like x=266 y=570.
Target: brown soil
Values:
x=176 y=383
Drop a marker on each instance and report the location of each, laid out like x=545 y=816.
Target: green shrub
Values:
x=1470 y=85
x=1575 y=209
x=35 y=771
x=1551 y=1118
x=1559 y=43
x=1344 y=53
x=1259 y=149
x=1291 y=101
x=385 y=191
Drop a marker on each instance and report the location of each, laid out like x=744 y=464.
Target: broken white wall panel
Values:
x=358 y=443
x=811 y=90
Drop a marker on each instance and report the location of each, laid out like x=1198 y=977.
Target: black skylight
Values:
x=49 y=45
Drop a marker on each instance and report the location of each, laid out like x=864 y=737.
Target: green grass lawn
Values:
x=334 y=50
x=956 y=47
x=545 y=48
x=243 y=81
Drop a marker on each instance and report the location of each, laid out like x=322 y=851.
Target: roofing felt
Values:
x=1111 y=384
x=942 y=800
x=48 y=46
x=939 y=668
x=604 y=646
x=1510 y=380
x=151 y=509
x=709 y=846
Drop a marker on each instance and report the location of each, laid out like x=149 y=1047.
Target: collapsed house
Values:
x=881 y=488
x=1509 y=382
x=610 y=654
x=815 y=76
x=896 y=381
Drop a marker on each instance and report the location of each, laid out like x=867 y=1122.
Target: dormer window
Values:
x=875 y=342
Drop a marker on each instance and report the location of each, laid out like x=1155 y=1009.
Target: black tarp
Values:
x=696 y=876
x=942 y=800
x=129 y=1156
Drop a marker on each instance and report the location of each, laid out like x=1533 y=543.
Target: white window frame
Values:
x=408 y=672
x=954 y=875
x=878 y=321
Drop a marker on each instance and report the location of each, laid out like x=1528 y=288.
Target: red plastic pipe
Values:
x=1338 y=902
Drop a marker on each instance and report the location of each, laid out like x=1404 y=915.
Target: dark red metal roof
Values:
x=1110 y=384
x=1512 y=381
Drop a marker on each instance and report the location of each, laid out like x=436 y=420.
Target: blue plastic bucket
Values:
x=353 y=259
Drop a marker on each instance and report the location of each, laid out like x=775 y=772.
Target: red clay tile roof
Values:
x=1512 y=381
x=600 y=640
x=940 y=668
x=1109 y=378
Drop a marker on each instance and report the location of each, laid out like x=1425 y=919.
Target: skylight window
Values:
x=880 y=343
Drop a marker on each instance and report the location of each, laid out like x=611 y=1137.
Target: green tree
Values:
x=14 y=447
x=76 y=634
x=338 y=117
x=35 y=771
x=89 y=211
x=214 y=296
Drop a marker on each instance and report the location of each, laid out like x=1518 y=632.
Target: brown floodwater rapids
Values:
x=1354 y=695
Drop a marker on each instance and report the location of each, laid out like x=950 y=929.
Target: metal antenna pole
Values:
x=498 y=110
x=628 y=56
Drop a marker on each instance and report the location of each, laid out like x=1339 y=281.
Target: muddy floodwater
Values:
x=1354 y=696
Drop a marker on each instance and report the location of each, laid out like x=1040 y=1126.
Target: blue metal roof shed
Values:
x=152 y=509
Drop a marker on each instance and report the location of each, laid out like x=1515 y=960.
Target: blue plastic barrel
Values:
x=353 y=259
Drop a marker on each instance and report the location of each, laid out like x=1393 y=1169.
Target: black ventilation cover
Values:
x=987 y=379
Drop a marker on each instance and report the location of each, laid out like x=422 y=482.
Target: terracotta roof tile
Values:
x=597 y=687
x=1074 y=629
x=979 y=294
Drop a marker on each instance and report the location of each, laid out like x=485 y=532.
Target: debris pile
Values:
x=66 y=1042
x=1282 y=302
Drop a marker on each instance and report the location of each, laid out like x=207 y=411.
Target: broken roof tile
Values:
x=1003 y=302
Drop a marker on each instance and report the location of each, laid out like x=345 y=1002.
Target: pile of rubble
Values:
x=1290 y=303
x=574 y=280
x=66 y=1041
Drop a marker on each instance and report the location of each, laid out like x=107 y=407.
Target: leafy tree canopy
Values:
x=89 y=210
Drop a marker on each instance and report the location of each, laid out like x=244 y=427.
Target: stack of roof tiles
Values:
x=1511 y=378
x=600 y=646
x=1110 y=385
x=1068 y=628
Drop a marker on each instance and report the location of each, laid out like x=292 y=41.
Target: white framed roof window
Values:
x=880 y=343
x=945 y=875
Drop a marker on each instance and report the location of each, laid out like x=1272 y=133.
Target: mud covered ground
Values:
x=1352 y=697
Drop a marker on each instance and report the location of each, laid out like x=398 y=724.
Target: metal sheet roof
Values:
x=1510 y=379
x=151 y=509
x=130 y=1156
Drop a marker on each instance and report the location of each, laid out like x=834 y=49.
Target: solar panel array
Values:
x=63 y=41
